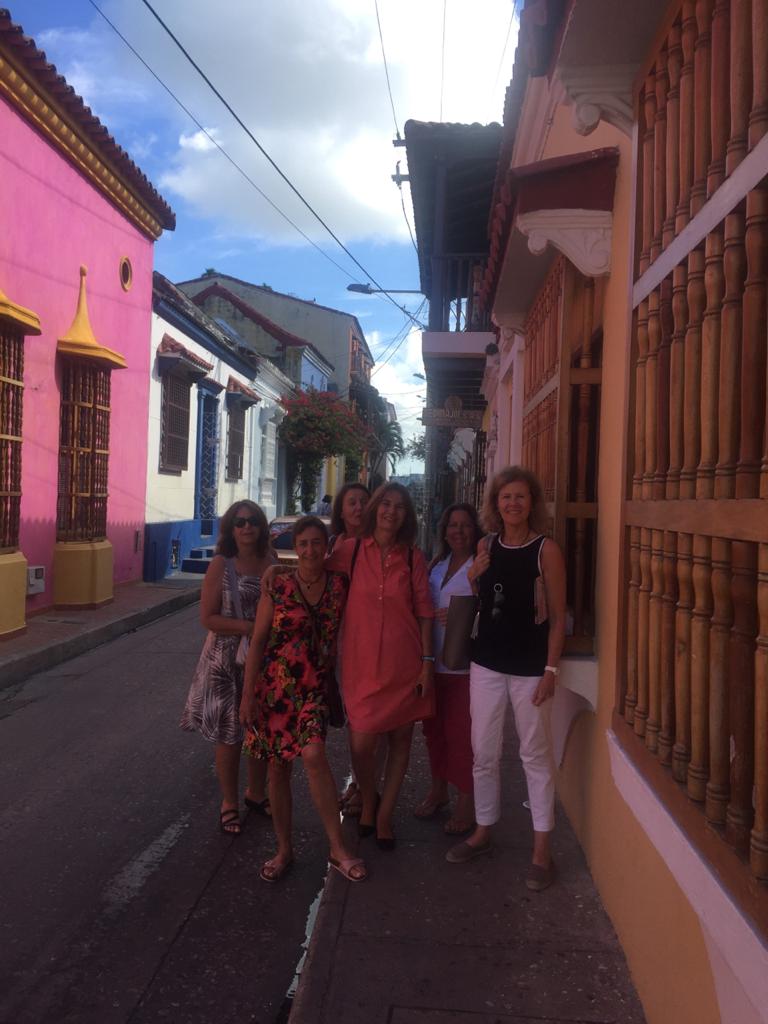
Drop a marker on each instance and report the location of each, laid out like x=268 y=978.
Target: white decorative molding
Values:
x=600 y=94
x=738 y=966
x=584 y=236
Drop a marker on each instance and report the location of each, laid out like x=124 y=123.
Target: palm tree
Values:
x=386 y=445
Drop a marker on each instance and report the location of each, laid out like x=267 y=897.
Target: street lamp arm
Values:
x=365 y=289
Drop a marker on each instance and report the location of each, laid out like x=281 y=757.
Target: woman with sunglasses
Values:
x=347 y=521
x=285 y=698
x=519 y=575
x=228 y=602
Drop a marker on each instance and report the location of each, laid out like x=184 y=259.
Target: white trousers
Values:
x=489 y=693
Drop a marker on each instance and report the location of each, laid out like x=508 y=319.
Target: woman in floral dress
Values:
x=288 y=674
x=242 y=556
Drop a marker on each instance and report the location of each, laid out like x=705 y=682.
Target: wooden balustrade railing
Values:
x=694 y=688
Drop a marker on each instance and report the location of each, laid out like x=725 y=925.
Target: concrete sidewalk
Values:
x=423 y=941
x=56 y=635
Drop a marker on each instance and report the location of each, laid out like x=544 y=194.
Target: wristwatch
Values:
x=553 y=669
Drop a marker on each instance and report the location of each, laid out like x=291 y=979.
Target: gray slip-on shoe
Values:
x=461 y=853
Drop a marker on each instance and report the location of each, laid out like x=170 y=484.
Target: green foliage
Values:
x=317 y=426
x=417 y=447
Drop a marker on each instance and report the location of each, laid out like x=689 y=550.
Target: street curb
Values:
x=16 y=670
x=307 y=1006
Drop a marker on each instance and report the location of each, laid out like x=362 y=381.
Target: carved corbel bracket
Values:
x=600 y=94
x=584 y=236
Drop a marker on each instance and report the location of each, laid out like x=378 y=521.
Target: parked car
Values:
x=280 y=534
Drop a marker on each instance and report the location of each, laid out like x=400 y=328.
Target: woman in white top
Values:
x=448 y=734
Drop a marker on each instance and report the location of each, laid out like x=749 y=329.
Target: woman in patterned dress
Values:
x=242 y=556
x=288 y=673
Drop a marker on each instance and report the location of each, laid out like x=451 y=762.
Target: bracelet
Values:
x=427 y=657
x=553 y=669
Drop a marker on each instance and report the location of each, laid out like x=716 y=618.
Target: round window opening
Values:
x=126 y=273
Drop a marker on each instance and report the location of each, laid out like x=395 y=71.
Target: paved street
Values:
x=120 y=899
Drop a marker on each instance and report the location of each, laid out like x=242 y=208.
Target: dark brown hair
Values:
x=491 y=517
x=225 y=545
x=442 y=527
x=337 y=523
x=308 y=523
x=407 y=532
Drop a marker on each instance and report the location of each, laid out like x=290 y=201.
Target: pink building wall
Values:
x=52 y=220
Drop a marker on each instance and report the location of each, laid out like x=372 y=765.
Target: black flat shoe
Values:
x=386 y=843
x=364 y=830
x=260 y=806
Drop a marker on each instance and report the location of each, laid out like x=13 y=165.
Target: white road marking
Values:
x=128 y=882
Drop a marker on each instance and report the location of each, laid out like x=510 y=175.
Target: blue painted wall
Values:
x=159 y=538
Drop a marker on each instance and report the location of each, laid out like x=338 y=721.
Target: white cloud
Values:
x=199 y=141
x=307 y=78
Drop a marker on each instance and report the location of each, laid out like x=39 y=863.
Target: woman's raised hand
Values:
x=480 y=564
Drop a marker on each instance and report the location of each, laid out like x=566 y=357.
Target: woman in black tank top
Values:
x=519 y=575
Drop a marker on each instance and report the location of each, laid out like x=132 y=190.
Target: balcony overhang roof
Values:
x=469 y=154
x=566 y=201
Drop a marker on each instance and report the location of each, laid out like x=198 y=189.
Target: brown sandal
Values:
x=229 y=822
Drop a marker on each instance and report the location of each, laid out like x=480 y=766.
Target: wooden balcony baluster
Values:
x=681 y=752
x=758 y=117
x=643 y=609
x=758 y=850
x=630 y=699
x=640 y=416
x=735 y=266
x=649 y=116
x=674 y=64
x=662 y=385
x=701 y=121
x=677 y=379
x=661 y=88
x=653 y=724
x=753 y=363
x=651 y=391
x=583 y=421
x=742 y=693
x=692 y=371
x=718 y=787
x=741 y=81
x=714 y=281
x=719 y=91
x=698 y=767
x=686 y=115
x=667 y=659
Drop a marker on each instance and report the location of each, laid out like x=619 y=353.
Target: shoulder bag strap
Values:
x=231 y=574
x=354 y=558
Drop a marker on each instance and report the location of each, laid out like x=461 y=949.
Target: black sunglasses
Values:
x=498 y=601
x=241 y=521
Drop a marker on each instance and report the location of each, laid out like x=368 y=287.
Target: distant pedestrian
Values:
x=324 y=505
x=387 y=661
x=289 y=674
x=230 y=595
x=519 y=575
x=448 y=734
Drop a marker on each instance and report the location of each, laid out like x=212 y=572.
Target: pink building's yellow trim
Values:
x=80 y=341
x=13 y=590
x=27 y=321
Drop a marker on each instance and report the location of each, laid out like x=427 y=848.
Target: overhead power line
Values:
x=442 y=59
x=218 y=145
x=269 y=159
x=386 y=68
x=506 y=44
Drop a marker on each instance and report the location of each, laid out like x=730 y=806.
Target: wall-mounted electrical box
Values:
x=36 y=579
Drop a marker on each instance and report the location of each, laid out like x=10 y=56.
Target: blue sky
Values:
x=307 y=78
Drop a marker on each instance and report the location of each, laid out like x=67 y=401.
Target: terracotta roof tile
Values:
x=169 y=344
x=24 y=52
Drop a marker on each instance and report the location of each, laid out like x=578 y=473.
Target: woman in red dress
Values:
x=387 y=659
x=285 y=697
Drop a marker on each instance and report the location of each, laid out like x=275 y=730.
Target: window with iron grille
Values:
x=11 y=396
x=81 y=513
x=174 y=430
x=235 y=442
